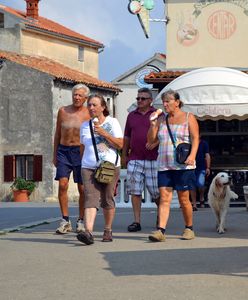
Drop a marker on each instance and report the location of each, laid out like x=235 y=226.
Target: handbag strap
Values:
x=169 y=130
x=93 y=140
x=94 y=143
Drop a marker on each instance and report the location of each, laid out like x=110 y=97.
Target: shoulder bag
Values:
x=182 y=150
x=105 y=172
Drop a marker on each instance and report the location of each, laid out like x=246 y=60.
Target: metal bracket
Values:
x=166 y=20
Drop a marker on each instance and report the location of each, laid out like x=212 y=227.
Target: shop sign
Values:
x=213 y=110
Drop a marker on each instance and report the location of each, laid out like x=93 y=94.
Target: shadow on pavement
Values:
x=231 y=261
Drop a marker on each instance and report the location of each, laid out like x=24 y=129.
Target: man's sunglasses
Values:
x=142 y=98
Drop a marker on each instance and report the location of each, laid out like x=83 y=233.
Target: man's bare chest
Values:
x=71 y=121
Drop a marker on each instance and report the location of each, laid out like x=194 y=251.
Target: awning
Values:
x=212 y=92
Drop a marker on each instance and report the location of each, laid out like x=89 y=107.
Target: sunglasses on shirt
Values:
x=142 y=98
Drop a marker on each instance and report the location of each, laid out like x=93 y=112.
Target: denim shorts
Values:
x=179 y=180
x=68 y=160
x=200 y=178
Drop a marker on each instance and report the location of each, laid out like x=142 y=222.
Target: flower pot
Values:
x=21 y=196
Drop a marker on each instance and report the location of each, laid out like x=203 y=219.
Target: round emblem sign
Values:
x=139 y=78
x=222 y=24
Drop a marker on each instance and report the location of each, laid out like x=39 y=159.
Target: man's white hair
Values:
x=81 y=86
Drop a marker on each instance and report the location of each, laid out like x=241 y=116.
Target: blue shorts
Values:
x=200 y=178
x=68 y=160
x=179 y=180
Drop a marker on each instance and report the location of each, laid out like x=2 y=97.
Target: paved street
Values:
x=37 y=264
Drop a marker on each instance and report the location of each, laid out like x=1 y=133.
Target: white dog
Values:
x=219 y=196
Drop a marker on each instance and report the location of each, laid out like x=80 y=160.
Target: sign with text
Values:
x=207 y=33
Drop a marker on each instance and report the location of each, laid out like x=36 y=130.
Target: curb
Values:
x=28 y=225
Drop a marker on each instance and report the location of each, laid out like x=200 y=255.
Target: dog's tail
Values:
x=233 y=195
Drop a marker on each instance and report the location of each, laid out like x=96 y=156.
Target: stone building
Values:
x=32 y=89
x=29 y=33
x=40 y=61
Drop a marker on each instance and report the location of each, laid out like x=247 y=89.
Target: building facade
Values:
x=31 y=91
x=131 y=81
x=40 y=62
x=202 y=37
x=31 y=34
x=210 y=33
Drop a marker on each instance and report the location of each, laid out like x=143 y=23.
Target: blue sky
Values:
x=109 y=22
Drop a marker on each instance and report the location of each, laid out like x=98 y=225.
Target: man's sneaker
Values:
x=134 y=227
x=107 y=236
x=85 y=237
x=188 y=234
x=157 y=236
x=80 y=226
x=64 y=227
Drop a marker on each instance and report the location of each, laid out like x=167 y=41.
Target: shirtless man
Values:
x=66 y=157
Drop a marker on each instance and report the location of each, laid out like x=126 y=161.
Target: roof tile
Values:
x=167 y=76
x=48 y=25
x=56 y=69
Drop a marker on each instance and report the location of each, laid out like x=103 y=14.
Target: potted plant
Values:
x=21 y=189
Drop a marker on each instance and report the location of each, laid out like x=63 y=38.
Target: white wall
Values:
x=124 y=100
x=127 y=83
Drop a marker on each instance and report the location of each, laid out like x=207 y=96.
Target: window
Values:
x=25 y=166
x=1 y=20
x=207 y=126
x=228 y=126
x=228 y=142
x=80 y=53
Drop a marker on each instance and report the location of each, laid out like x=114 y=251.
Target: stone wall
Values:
x=26 y=120
x=10 y=39
x=29 y=102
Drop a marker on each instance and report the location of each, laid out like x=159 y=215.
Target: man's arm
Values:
x=208 y=163
x=125 y=151
x=57 y=136
x=152 y=146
